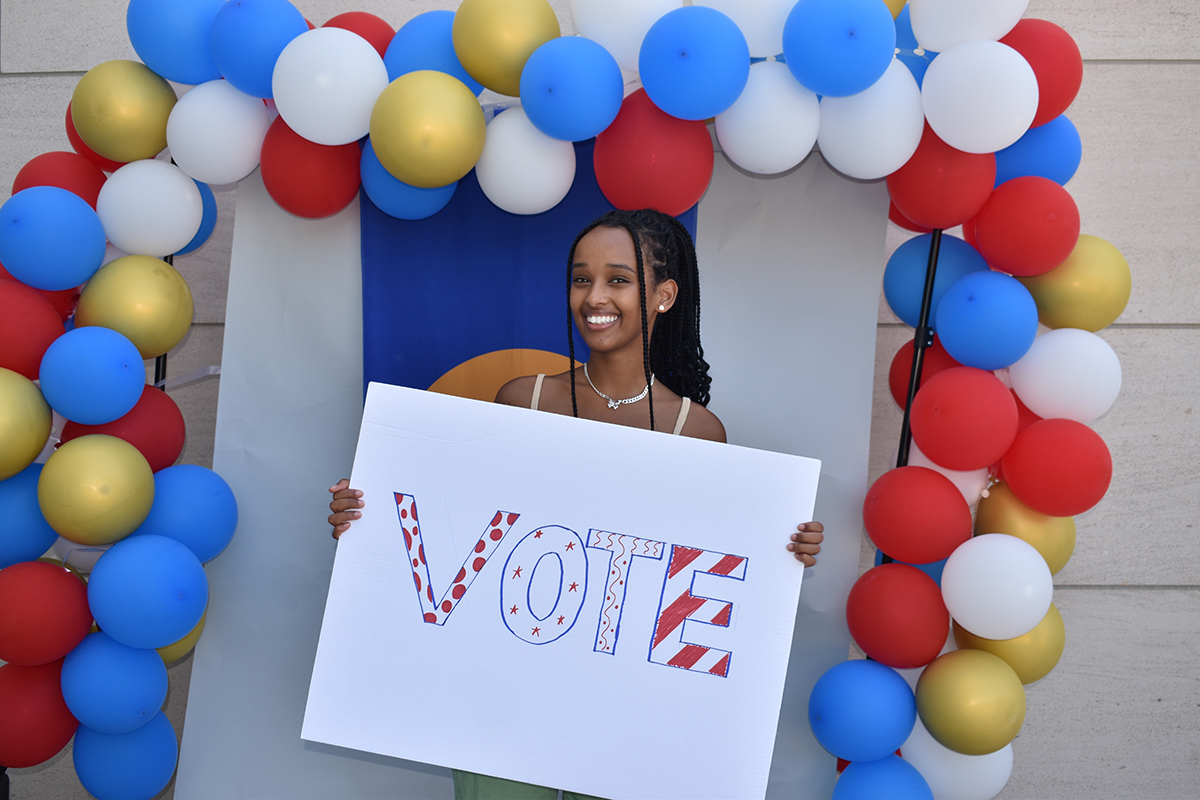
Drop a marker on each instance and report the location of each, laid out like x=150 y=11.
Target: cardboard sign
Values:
x=561 y=602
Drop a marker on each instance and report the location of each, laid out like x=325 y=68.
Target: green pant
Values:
x=472 y=786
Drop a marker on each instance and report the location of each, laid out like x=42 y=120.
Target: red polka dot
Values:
x=462 y=573
x=480 y=546
x=404 y=513
x=431 y=618
x=496 y=519
x=446 y=606
x=512 y=518
x=416 y=532
x=407 y=540
x=614 y=572
x=416 y=563
x=478 y=563
x=458 y=591
x=417 y=578
x=620 y=582
x=421 y=553
x=497 y=534
x=429 y=592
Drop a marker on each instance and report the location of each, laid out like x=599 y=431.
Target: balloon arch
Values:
x=958 y=105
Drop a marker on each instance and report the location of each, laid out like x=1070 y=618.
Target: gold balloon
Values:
x=24 y=422
x=120 y=110
x=144 y=298
x=895 y=6
x=971 y=702
x=1031 y=656
x=427 y=129
x=96 y=489
x=494 y=38
x=1089 y=290
x=173 y=652
x=1002 y=512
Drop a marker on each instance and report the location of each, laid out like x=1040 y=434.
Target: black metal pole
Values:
x=160 y=363
x=922 y=339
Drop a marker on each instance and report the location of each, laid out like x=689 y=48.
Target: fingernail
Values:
x=356 y=514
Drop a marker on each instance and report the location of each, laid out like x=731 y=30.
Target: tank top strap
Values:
x=537 y=391
x=682 y=418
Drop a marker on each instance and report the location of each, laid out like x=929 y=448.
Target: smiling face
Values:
x=604 y=291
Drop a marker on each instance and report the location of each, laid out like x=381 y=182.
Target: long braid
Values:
x=641 y=273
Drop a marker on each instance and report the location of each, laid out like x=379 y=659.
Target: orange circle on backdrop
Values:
x=481 y=377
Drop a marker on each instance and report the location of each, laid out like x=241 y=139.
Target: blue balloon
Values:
x=571 y=88
x=24 y=533
x=148 y=591
x=861 y=710
x=113 y=688
x=126 y=766
x=933 y=569
x=425 y=42
x=92 y=375
x=904 y=276
x=396 y=198
x=194 y=506
x=987 y=320
x=911 y=54
x=1050 y=151
x=891 y=777
x=247 y=38
x=171 y=37
x=838 y=47
x=694 y=62
x=207 y=223
x=50 y=238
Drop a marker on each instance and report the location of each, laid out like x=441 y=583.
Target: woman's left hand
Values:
x=806 y=542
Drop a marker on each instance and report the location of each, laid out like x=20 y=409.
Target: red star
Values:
x=537 y=535
x=560 y=620
x=517 y=572
x=536 y=632
x=570 y=545
x=512 y=610
x=572 y=587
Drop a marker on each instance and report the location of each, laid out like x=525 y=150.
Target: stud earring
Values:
x=661 y=307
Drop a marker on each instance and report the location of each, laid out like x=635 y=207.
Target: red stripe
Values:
x=688 y=656
x=727 y=565
x=722 y=617
x=680 y=558
x=722 y=667
x=674 y=615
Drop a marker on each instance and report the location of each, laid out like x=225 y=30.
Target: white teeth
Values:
x=604 y=320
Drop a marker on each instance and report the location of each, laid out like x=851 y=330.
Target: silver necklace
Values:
x=615 y=404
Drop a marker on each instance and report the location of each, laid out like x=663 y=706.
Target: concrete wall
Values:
x=1119 y=716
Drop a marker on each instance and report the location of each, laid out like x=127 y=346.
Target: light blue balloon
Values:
x=426 y=42
x=111 y=687
x=207 y=223
x=904 y=276
x=171 y=37
x=891 y=777
x=694 y=62
x=571 y=88
x=1052 y=151
x=92 y=375
x=148 y=591
x=50 y=238
x=194 y=506
x=396 y=198
x=126 y=766
x=987 y=320
x=861 y=710
x=247 y=38
x=24 y=533
x=837 y=48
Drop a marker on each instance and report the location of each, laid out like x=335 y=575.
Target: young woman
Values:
x=634 y=297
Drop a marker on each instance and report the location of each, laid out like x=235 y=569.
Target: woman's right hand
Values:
x=344 y=506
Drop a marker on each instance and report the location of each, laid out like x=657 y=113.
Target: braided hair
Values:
x=675 y=355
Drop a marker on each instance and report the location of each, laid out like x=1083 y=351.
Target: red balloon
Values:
x=63 y=301
x=916 y=515
x=1025 y=417
x=1028 y=226
x=307 y=179
x=69 y=171
x=37 y=722
x=1056 y=63
x=376 y=31
x=936 y=359
x=154 y=426
x=43 y=613
x=897 y=616
x=106 y=164
x=963 y=418
x=28 y=324
x=649 y=159
x=940 y=187
x=904 y=222
x=968 y=232
x=1059 y=467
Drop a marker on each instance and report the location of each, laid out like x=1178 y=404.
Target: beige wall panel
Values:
x=1112 y=29
x=32 y=122
x=198 y=401
x=206 y=269
x=1117 y=716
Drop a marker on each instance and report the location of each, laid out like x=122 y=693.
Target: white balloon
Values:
x=325 y=84
x=215 y=133
x=940 y=24
x=150 y=208
x=761 y=22
x=873 y=133
x=970 y=483
x=980 y=96
x=620 y=25
x=955 y=776
x=1068 y=373
x=997 y=586
x=773 y=125
x=522 y=170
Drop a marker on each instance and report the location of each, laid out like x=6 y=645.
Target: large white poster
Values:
x=560 y=601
